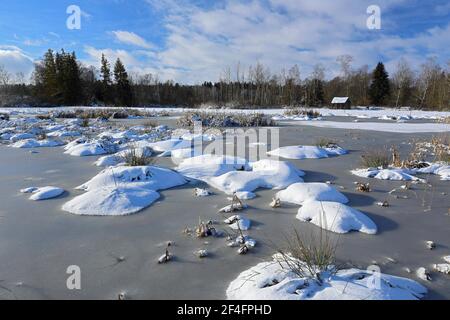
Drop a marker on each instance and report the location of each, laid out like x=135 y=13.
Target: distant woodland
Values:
x=61 y=79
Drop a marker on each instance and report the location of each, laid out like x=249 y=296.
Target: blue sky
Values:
x=192 y=41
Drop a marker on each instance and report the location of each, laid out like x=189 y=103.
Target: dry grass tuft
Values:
x=302 y=112
x=375 y=159
x=137 y=157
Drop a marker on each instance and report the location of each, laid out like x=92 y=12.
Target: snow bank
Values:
x=274 y=281
x=299 y=193
x=306 y=152
x=268 y=174
x=43 y=193
x=336 y=217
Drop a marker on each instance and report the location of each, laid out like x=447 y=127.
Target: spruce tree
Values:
x=380 y=88
x=48 y=77
x=105 y=73
x=123 y=92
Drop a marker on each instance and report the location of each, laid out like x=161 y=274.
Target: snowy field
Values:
x=71 y=195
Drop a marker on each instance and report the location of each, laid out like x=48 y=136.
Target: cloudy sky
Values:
x=194 y=40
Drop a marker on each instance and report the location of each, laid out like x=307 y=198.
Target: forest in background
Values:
x=60 y=79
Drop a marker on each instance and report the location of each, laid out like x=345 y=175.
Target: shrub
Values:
x=375 y=158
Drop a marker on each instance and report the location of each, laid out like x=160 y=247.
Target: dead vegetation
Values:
x=222 y=119
x=309 y=256
x=4 y=116
x=326 y=143
x=96 y=113
x=363 y=187
x=137 y=157
x=302 y=112
x=378 y=158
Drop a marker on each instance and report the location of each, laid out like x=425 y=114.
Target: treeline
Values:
x=60 y=79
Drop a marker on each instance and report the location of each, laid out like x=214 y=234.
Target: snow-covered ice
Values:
x=336 y=217
x=299 y=193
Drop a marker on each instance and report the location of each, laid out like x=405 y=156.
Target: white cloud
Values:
x=201 y=42
x=15 y=61
x=131 y=38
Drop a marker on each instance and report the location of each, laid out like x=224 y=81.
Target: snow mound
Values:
x=111 y=201
x=123 y=190
x=386 y=174
x=148 y=177
x=84 y=149
x=440 y=169
x=119 y=157
x=274 y=281
x=33 y=143
x=299 y=193
x=43 y=193
x=336 y=217
x=268 y=174
x=206 y=166
x=167 y=146
x=306 y=152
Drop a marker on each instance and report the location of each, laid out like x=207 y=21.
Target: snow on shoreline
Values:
x=359 y=112
x=382 y=127
x=274 y=280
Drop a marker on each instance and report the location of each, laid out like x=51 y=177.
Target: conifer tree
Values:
x=105 y=73
x=123 y=92
x=380 y=88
